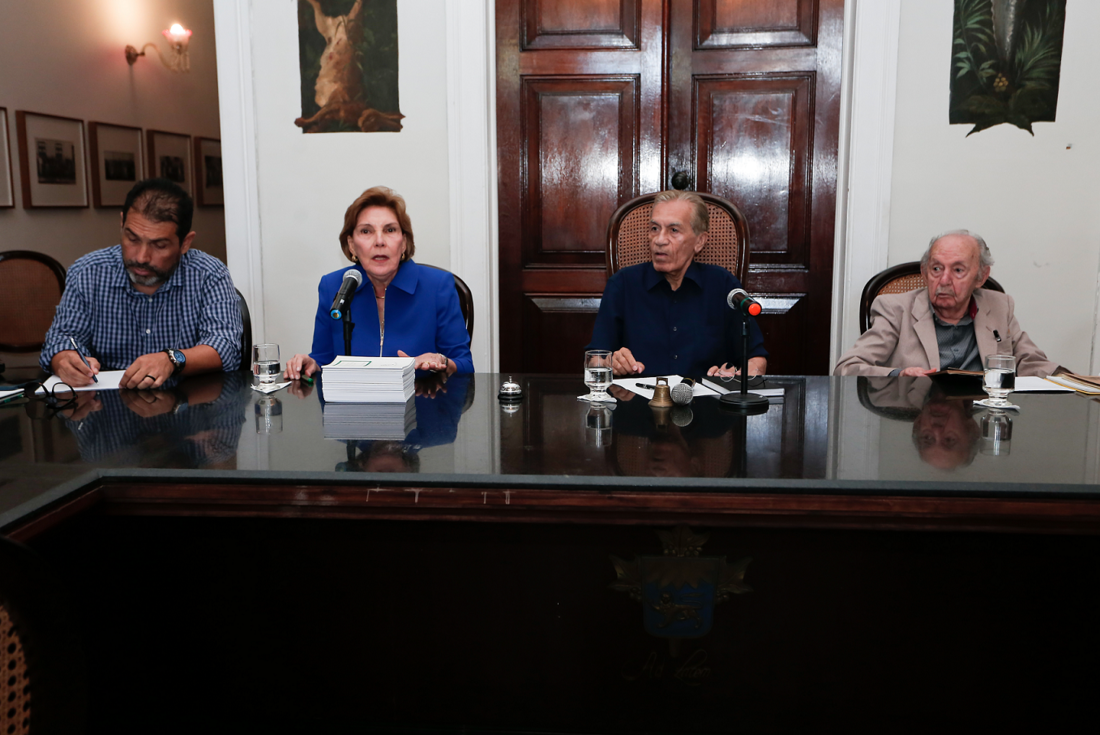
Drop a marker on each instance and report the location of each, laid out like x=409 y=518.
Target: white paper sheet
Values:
x=108 y=380
x=1032 y=383
x=644 y=386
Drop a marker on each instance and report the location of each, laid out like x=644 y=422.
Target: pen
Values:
x=306 y=379
x=82 y=358
x=996 y=335
x=643 y=385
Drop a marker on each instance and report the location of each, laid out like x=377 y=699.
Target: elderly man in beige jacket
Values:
x=951 y=323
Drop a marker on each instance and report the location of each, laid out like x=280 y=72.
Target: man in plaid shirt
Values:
x=151 y=306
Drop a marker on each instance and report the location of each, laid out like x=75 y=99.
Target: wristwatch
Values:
x=178 y=360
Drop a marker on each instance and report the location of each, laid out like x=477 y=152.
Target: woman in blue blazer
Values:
x=401 y=309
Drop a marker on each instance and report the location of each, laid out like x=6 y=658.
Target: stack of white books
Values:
x=369 y=380
x=369 y=420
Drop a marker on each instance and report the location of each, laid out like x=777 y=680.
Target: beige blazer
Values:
x=903 y=334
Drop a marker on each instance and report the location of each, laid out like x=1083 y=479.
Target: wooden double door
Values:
x=599 y=101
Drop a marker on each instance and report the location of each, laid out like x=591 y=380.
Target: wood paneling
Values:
x=581 y=140
x=754 y=23
x=742 y=96
x=754 y=117
x=752 y=147
x=558 y=329
x=578 y=132
x=580 y=23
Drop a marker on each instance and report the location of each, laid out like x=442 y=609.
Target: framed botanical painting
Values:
x=117 y=162
x=7 y=183
x=51 y=160
x=170 y=158
x=208 y=165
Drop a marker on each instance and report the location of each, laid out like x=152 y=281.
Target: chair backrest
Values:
x=901 y=278
x=43 y=687
x=246 y=335
x=727 y=242
x=31 y=285
x=465 y=299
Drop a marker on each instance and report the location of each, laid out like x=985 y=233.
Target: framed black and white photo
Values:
x=51 y=160
x=117 y=162
x=7 y=183
x=170 y=158
x=208 y=165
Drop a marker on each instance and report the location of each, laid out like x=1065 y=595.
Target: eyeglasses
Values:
x=57 y=397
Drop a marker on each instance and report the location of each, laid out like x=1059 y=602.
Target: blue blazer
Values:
x=422 y=315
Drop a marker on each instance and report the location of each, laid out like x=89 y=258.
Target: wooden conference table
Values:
x=865 y=556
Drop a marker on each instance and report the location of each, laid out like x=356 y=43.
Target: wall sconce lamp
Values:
x=178 y=37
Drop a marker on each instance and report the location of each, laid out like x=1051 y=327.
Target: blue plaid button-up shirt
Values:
x=115 y=323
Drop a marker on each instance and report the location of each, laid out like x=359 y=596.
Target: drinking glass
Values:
x=597 y=374
x=996 y=433
x=999 y=380
x=598 y=423
x=265 y=363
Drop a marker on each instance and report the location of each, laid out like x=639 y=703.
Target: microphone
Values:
x=352 y=279
x=739 y=300
x=683 y=392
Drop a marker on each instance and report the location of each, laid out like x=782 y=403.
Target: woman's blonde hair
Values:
x=378 y=196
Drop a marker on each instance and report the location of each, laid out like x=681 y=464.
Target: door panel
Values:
x=578 y=133
x=580 y=162
x=754 y=90
x=580 y=24
x=754 y=23
x=752 y=145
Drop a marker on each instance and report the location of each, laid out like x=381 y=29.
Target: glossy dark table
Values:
x=857 y=558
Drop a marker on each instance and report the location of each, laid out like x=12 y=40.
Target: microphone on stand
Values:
x=739 y=300
x=683 y=392
x=352 y=280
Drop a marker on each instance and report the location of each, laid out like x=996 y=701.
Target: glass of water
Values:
x=597 y=374
x=999 y=380
x=265 y=363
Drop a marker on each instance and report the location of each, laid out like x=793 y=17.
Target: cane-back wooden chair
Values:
x=901 y=278
x=727 y=241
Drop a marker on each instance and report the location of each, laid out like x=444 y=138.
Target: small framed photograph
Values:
x=117 y=162
x=7 y=182
x=170 y=158
x=208 y=164
x=51 y=160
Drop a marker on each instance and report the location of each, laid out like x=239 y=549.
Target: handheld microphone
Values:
x=352 y=280
x=683 y=392
x=739 y=300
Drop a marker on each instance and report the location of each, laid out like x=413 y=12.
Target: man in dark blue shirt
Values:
x=669 y=316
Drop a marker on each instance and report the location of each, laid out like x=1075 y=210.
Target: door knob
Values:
x=680 y=180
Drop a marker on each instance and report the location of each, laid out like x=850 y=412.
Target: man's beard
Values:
x=155 y=277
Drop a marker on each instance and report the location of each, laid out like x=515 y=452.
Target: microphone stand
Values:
x=744 y=402
x=345 y=316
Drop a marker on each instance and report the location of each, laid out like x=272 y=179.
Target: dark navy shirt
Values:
x=683 y=332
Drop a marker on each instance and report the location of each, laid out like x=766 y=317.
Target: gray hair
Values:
x=700 y=215
x=984 y=256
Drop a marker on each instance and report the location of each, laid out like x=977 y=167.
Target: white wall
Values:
x=1032 y=198
x=65 y=57
x=306 y=182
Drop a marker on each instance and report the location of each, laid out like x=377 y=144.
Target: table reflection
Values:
x=194 y=424
x=877 y=430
